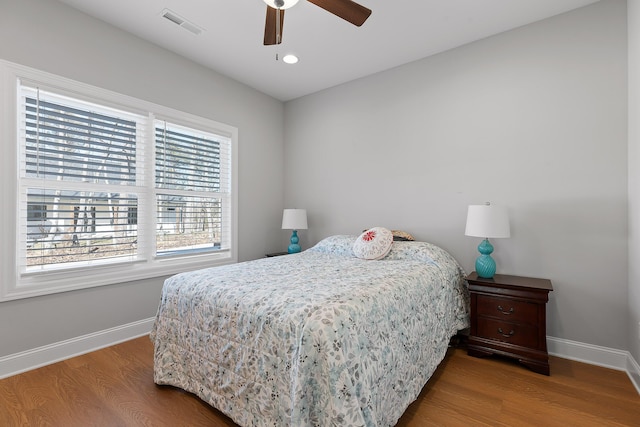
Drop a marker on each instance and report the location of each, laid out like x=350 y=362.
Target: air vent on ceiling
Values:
x=179 y=20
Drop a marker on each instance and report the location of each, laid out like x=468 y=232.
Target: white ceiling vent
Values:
x=179 y=20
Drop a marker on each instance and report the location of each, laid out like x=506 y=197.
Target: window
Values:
x=80 y=159
x=191 y=161
x=104 y=179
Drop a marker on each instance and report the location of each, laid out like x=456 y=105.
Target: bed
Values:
x=318 y=338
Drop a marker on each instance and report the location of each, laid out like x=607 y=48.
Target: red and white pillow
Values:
x=374 y=243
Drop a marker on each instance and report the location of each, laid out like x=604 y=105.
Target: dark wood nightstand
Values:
x=276 y=254
x=508 y=317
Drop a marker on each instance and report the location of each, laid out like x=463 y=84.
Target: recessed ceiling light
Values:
x=290 y=58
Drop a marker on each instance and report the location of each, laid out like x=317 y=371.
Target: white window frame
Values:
x=16 y=285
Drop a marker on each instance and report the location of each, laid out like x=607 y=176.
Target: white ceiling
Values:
x=331 y=50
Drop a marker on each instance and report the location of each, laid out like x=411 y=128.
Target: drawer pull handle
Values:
x=510 y=334
x=506 y=313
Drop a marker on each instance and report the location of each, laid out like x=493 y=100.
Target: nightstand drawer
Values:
x=507 y=309
x=514 y=333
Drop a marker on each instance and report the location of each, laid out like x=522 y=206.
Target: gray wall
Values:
x=52 y=37
x=634 y=178
x=534 y=119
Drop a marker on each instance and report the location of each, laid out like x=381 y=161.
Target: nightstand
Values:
x=276 y=254
x=508 y=318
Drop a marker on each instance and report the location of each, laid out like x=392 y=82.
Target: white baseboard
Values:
x=31 y=359
x=633 y=370
x=596 y=355
x=588 y=353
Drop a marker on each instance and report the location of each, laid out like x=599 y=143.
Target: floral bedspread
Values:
x=319 y=338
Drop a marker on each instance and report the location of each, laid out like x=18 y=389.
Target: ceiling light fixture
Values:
x=281 y=4
x=290 y=58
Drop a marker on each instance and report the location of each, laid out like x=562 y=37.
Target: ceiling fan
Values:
x=346 y=9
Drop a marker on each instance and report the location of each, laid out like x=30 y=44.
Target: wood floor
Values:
x=114 y=387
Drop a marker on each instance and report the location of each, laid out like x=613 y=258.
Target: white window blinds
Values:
x=192 y=178
x=78 y=187
x=84 y=199
x=77 y=144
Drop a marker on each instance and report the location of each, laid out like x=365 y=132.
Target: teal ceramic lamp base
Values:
x=485 y=265
x=294 y=247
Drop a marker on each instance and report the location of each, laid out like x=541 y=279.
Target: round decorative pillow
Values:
x=374 y=243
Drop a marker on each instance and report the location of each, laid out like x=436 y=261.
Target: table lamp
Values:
x=294 y=219
x=486 y=221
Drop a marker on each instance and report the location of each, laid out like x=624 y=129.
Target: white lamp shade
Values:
x=487 y=221
x=294 y=219
x=286 y=4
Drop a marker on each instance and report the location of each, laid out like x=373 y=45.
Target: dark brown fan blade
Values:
x=270 y=26
x=345 y=9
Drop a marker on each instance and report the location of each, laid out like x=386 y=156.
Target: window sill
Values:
x=37 y=284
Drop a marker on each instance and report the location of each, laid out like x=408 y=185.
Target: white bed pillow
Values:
x=374 y=243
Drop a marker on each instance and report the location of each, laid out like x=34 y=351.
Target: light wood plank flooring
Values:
x=114 y=387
